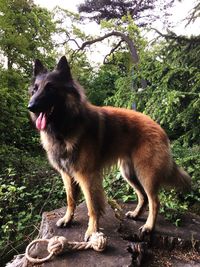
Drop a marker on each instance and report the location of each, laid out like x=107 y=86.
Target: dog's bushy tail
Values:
x=180 y=178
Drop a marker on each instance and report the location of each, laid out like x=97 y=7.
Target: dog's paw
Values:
x=145 y=230
x=63 y=222
x=88 y=234
x=132 y=215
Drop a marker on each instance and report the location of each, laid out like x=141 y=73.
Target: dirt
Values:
x=175 y=258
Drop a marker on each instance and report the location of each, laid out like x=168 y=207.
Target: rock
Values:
x=124 y=244
x=165 y=235
x=116 y=253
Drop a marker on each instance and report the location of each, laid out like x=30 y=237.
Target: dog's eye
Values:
x=50 y=87
x=35 y=88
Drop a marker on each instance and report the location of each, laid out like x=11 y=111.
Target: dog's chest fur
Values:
x=62 y=154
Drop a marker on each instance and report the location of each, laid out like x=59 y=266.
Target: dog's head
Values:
x=52 y=92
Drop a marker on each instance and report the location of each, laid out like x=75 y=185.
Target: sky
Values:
x=68 y=4
x=179 y=12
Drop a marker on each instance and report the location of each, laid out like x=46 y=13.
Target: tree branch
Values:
x=112 y=51
x=194 y=14
x=123 y=37
x=172 y=36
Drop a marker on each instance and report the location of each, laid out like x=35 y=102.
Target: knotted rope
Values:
x=59 y=244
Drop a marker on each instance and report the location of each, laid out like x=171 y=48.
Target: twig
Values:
x=194 y=14
x=112 y=51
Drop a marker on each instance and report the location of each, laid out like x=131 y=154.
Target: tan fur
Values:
x=70 y=144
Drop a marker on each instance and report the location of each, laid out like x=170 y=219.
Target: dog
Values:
x=81 y=139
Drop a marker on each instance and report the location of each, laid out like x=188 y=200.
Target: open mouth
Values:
x=41 y=121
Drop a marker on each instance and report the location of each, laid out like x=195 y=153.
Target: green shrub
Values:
x=28 y=186
x=116 y=187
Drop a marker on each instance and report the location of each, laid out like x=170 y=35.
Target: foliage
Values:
x=172 y=97
x=14 y=122
x=102 y=84
x=115 y=187
x=143 y=12
x=27 y=187
x=189 y=158
x=113 y=84
x=174 y=204
x=25 y=34
x=171 y=207
x=82 y=70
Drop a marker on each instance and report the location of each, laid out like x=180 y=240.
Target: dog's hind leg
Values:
x=91 y=185
x=72 y=191
x=151 y=187
x=128 y=174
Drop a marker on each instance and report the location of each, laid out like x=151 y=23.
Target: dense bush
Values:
x=28 y=186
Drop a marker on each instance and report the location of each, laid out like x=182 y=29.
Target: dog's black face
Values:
x=52 y=92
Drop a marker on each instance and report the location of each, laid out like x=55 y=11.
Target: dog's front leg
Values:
x=72 y=190
x=91 y=185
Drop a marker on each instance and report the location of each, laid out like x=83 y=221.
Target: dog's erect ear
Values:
x=38 y=68
x=64 y=69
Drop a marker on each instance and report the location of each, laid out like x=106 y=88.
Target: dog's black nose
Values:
x=32 y=106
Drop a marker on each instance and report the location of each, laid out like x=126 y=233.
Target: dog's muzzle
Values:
x=33 y=106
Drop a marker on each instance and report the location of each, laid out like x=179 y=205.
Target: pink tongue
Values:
x=41 y=121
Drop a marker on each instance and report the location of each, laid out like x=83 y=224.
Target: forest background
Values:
x=160 y=78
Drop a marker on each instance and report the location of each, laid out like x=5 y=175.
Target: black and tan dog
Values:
x=81 y=139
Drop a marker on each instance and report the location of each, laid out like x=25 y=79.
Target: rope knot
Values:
x=56 y=244
x=98 y=241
